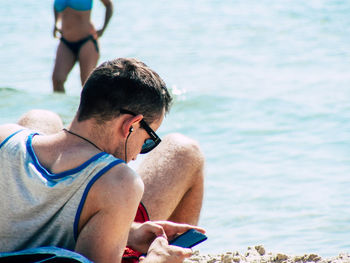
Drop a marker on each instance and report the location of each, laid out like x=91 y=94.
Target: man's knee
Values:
x=185 y=149
x=44 y=121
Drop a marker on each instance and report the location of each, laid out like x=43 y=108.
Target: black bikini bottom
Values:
x=76 y=45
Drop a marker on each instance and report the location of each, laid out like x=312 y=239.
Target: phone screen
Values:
x=188 y=239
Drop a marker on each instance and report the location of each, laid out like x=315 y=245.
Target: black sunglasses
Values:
x=151 y=143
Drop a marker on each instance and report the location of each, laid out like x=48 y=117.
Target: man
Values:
x=71 y=188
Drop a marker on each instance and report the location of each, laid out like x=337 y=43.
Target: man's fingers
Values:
x=175 y=250
x=200 y=229
x=178 y=228
x=181 y=252
x=157 y=229
x=162 y=239
x=187 y=252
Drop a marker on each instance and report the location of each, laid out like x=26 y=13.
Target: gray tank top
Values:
x=39 y=208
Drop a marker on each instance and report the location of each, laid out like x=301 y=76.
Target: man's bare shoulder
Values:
x=8 y=129
x=120 y=180
x=117 y=188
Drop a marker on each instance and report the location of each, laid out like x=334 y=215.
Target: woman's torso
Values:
x=76 y=19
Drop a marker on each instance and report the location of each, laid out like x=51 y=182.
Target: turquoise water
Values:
x=264 y=86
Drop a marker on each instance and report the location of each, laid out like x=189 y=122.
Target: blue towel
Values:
x=43 y=254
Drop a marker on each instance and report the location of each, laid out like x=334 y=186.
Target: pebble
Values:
x=258 y=254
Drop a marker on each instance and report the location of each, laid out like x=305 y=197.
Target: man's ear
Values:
x=130 y=124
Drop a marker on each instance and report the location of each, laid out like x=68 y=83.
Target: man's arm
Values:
x=107 y=215
x=109 y=12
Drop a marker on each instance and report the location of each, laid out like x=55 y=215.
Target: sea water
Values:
x=264 y=86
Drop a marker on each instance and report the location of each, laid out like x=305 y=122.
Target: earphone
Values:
x=131 y=129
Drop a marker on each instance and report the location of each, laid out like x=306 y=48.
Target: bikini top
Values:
x=79 y=5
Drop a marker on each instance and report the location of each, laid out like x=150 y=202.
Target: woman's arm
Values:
x=57 y=18
x=109 y=12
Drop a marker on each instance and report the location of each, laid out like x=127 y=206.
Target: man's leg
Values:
x=43 y=121
x=174 y=180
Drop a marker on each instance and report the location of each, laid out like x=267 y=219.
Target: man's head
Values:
x=123 y=83
x=129 y=91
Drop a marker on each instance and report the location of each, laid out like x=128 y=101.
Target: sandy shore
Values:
x=258 y=254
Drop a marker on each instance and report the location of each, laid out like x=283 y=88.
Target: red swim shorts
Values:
x=130 y=255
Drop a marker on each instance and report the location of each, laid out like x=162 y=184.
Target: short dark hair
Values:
x=123 y=83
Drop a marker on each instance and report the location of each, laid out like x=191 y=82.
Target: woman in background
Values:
x=79 y=39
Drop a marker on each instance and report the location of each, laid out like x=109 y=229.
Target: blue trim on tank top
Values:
x=86 y=191
x=47 y=174
x=10 y=136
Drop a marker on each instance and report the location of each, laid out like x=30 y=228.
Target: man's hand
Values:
x=161 y=252
x=172 y=229
x=142 y=235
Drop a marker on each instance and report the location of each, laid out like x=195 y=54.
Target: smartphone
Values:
x=188 y=239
